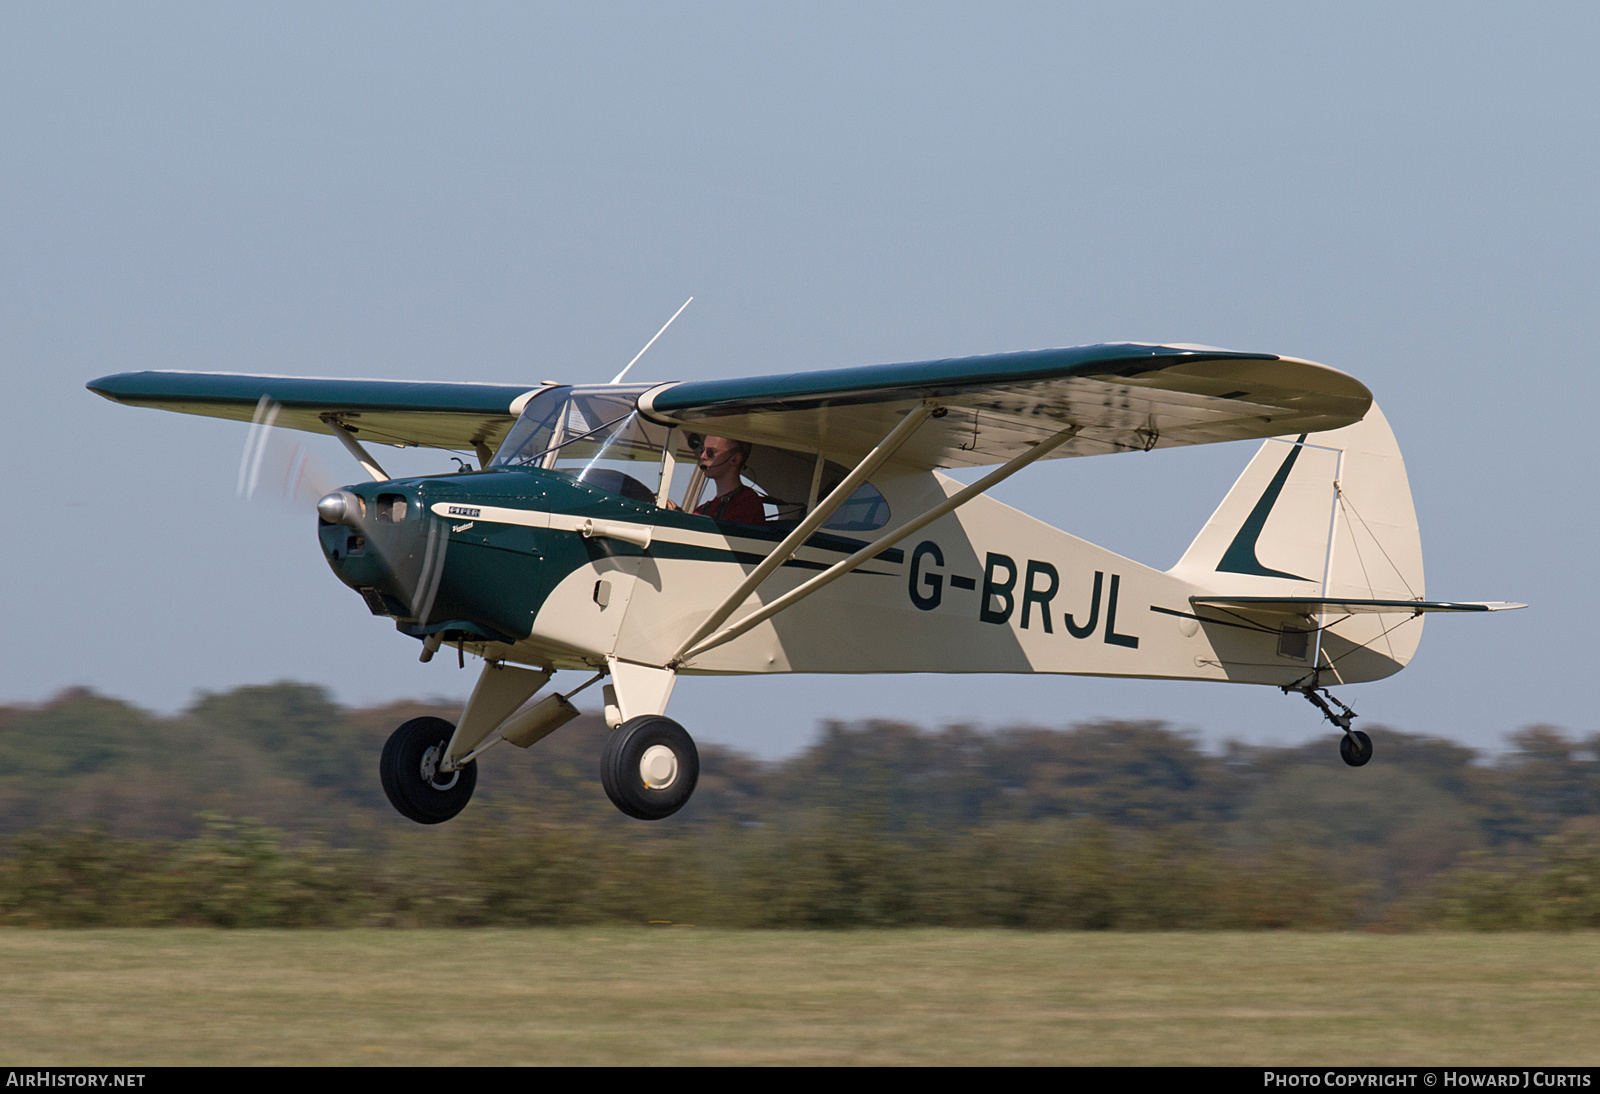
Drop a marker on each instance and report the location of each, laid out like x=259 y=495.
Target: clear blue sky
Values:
x=515 y=192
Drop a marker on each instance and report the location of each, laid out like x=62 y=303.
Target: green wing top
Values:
x=402 y=412
x=1124 y=396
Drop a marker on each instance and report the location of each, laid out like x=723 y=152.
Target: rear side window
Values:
x=866 y=511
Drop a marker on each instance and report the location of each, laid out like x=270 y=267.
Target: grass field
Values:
x=680 y=995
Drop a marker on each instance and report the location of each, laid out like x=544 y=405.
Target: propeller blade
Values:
x=278 y=465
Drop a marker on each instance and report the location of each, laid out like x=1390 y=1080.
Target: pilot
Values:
x=722 y=460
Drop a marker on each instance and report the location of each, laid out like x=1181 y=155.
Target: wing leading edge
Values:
x=404 y=412
x=1125 y=396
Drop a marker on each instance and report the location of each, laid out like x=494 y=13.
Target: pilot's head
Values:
x=720 y=452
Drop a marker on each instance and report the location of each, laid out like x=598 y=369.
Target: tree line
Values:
x=261 y=807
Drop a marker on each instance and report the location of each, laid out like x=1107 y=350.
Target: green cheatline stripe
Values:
x=820 y=541
x=668 y=549
x=684 y=551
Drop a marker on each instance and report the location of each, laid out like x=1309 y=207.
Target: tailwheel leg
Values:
x=1355 y=747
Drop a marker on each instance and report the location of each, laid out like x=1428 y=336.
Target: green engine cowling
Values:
x=419 y=552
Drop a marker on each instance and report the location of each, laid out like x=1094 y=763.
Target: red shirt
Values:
x=741 y=505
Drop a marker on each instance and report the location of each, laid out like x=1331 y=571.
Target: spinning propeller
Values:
x=393 y=555
x=278 y=465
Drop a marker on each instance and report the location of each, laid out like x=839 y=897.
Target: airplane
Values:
x=580 y=542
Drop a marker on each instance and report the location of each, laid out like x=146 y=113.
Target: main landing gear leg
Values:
x=1355 y=747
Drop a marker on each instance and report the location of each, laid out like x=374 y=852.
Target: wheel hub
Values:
x=658 y=767
x=430 y=769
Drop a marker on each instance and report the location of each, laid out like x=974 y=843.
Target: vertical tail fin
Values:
x=1330 y=507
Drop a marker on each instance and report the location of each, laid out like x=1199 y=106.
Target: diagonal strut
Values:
x=889 y=539
x=795 y=539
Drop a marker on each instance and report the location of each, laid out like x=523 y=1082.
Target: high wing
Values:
x=424 y=414
x=1121 y=396
x=1124 y=396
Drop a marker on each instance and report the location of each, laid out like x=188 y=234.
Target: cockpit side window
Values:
x=866 y=510
x=597 y=436
x=785 y=481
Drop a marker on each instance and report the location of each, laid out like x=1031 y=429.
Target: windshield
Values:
x=594 y=435
x=597 y=436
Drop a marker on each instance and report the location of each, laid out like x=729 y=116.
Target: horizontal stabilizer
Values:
x=1310 y=605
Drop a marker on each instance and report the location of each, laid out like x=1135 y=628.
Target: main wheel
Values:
x=411 y=777
x=649 y=767
x=1355 y=748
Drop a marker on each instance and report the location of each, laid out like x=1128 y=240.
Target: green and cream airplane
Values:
x=575 y=545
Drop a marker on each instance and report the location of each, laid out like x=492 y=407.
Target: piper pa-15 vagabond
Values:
x=833 y=544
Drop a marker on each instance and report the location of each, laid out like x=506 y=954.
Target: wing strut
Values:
x=346 y=438
x=795 y=539
x=888 y=539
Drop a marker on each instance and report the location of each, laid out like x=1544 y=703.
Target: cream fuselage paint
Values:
x=986 y=589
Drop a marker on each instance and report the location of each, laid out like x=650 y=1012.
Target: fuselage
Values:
x=499 y=561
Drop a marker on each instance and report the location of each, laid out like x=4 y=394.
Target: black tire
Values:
x=629 y=748
x=1356 y=751
x=424 y=799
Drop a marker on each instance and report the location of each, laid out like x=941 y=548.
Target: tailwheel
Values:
x=1355 y=748
x=649 y=767
x=411 y=777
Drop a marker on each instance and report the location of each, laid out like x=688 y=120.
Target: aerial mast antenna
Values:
x=618 y=378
